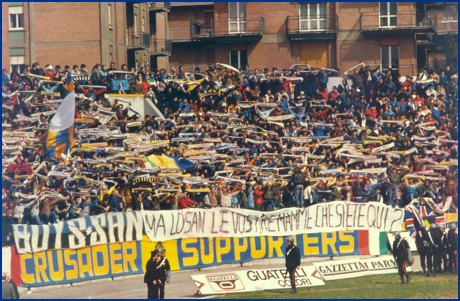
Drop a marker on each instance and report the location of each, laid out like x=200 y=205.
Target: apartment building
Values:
x=442 y=48
x=404 y=36
x=85 y=32
x=278 y=34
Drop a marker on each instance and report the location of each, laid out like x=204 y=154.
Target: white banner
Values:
x=272 y=279
x=351 y=268
x=255 y=280
x=218 y=222
x=224 y=283
x=6 y=260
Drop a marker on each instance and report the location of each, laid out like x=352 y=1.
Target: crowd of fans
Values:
x=254 y=137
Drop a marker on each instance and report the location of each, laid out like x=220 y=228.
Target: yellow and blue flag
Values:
x=69 y=85
x=61 y=136
x=165 y=161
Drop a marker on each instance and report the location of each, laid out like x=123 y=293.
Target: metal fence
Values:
x=304 y=24
x=179 y=34
x=398 y=20
x=227 y=27
x=160 y=46
x=138 y=40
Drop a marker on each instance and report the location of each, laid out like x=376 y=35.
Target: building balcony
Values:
x=159 y=6
x=180 y=34
x=188 y=4
x=446 y=27
x=160 y=47
x=302 y=28
x=227 y=31
x=137 y=40
x=375 y=24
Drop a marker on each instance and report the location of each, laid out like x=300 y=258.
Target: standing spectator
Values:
x=181 y=74
x=5 y=77
x=8 y=290
x=115 y=202
x=124 y=82
x=75 y=70
x=401 y=253
x=115 y=84
x=298 y=182
x=259 y=197
x=83 y=70
x=292 y=262
x=357 y=78
x=136 y=88
x=452 y=240
x=157 y=274
x=424 y=245
x=145 y=85
x=96 y=75
x=185 y=202
x=46 y=215
x=10 y=281
x=437 y=244
x=112 y=67
x=37 y=70
x=49 y=72
x=104 y=74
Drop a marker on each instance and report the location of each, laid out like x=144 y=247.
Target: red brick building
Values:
x=273 y=34
x=74 y=33
x=278 y=34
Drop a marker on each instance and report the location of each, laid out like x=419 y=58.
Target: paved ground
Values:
x=181 y=286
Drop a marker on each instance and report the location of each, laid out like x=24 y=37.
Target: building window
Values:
x=237 y=17
x=110 y=15
x=143 y=24
x=16 y=61
x=312 y=16
x=135 y=23
x=451 y=12
x=388 y=14
x=16 y=17
x=238 y=58
x=389 y=57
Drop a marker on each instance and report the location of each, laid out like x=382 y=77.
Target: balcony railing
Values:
x=446 y=27
x=180 y=34
x=235 y=27
x=307 y=25
x=401 y=20
x=138 y=40
x=160 y=46
x=159 y=6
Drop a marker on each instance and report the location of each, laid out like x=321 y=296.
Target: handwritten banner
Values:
x=227 y=222
x=205 y=223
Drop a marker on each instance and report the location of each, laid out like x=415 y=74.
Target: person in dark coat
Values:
x=401 y=253
x=452 y=240
x=157 y=274
x=298 y=182
x=8 y=279
x=292 y=262
x=436 y=235
x=424 y=248
x=7 y=290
